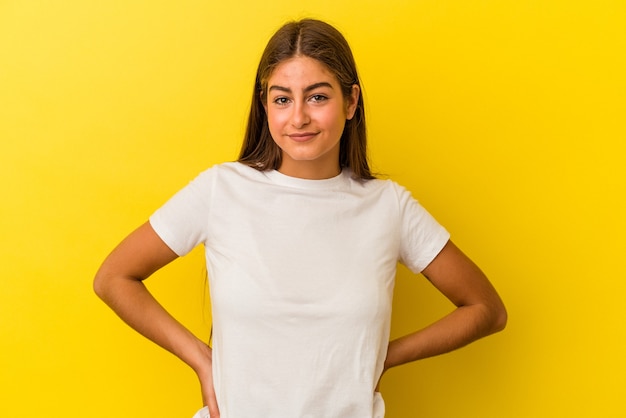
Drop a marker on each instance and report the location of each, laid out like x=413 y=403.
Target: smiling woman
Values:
x=306 y=114
x=329 y=50
x=301 y=245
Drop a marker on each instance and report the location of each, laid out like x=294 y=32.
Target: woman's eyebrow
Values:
x=306 y=89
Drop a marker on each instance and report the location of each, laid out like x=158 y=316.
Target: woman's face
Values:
x=306 y=113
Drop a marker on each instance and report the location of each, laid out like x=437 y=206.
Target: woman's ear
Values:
x=352 y=101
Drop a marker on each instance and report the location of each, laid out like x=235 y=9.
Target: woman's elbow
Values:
x=500 y=318
x=100 y=285
x=104 y=283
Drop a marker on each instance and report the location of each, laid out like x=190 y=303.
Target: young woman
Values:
x=301 y=244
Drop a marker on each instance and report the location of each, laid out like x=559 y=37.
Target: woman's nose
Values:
x=300 y=116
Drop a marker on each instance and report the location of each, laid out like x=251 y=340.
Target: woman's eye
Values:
x=281 y=100
x=318 y=98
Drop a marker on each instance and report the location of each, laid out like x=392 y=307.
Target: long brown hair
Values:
x=321 y=41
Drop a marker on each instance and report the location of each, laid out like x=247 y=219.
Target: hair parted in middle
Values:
x=322 y=42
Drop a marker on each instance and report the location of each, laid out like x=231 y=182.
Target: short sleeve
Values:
x=421 y=236
x=182 y=222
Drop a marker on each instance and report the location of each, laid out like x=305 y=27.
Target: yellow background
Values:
x=505 y=118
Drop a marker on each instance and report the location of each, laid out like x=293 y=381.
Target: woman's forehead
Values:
x=301 y=70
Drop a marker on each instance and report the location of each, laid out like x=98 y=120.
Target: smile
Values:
x=302 y=136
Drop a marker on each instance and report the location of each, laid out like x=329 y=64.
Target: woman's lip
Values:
x=302 y=136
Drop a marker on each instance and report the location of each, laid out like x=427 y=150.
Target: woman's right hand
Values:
x=205 y=375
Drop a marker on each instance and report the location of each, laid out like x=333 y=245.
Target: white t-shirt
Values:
x=301 y=275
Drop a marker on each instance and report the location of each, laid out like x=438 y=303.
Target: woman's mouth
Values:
x=302 y=136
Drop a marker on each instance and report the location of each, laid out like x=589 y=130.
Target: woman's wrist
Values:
x=202 y=359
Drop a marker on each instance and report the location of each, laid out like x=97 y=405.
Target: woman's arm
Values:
x=119 y=283
x=479 y=311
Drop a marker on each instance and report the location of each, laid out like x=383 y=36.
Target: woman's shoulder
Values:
x=379 y=183
x=229 y=171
